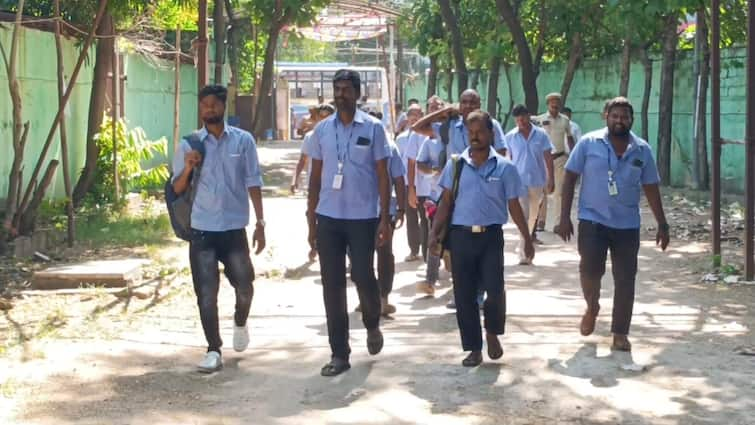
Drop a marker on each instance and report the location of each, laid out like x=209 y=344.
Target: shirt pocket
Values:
x=492 y=188
x=360 y=154
x=629 y=186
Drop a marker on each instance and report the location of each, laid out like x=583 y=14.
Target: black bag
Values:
x=179 y=206
x=458 y=163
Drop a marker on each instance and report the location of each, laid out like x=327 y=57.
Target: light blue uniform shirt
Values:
x=395 y=169
x=527 y=154
x=408 y=144
x=458 y=137
x=592 y=157
x=430 y=154
x=358 y=146
x=484 y=192
x=229 y=168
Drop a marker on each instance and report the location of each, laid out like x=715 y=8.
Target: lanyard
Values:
x=345 y=155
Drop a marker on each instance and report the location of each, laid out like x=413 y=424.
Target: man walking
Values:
x=349 y=152
x=576 y=130
x=615 y=166
x=557 y=126
x=230 y=175
x=488 y=184
x=529 y=148
x=408 y=144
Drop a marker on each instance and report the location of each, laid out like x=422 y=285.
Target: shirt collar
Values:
x=359 y=118
x=459 y=123
x=465 y=156
x=203 y=133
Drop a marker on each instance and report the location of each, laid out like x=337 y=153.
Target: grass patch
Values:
x=125 y=230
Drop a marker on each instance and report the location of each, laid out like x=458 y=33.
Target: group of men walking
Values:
x=455 y=178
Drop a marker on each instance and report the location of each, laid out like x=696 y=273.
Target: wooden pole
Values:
x=115 y=112
x=750 y=147
x=202 y=52
x=71 y=227
x=715 y=125
x=177 y=93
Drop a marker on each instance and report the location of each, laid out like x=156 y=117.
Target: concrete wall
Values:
x=598 y=80
x=147 y=97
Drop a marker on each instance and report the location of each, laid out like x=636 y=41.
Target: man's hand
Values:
x=551 y=186
x=565 y=229
x=294 y=188
x=662 y=237
x=412 y=197
x=258 y=239
x=384 y=232
x=192 y=159
x=529 y=250
x=312 y=236
x=399 y=219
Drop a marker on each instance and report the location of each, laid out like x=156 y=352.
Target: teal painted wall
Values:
x=147 y=97
x=598 y=80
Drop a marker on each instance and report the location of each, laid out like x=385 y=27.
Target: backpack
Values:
x=179 y=206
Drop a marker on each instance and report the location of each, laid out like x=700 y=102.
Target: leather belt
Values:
x=476 y=228
x=558 y=154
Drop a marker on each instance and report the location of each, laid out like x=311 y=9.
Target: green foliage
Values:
x=299 y=49
x=170 y=15
x=134 y=150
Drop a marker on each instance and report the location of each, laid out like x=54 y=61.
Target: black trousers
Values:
x=477 y=265
x=593 y=242
x=416 y=228
x=334 y=236
x=205 y=251
x=386 y=266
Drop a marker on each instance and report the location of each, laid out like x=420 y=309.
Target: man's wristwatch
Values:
x=260 y=223
x=664 y=226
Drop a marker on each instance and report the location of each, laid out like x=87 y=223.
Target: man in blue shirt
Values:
x=230 y=175
x=408 y=144
x=458 y=134
x=487 y=186
x=615 y=166
x=349 y=152
x=529 y=148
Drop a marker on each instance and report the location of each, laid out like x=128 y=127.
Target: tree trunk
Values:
x=263 y=114
x=457 y=44
x=702 y=101
x=529 y=77
x=71 y=227
x=432 y=77
x=626 y=62
x=177 y=93
x=575 y=58
x=14 y=180
x=28 y=220
x=450 y=83
x=495 y=74
x=666 y=100
x=102 y=66
x=475 y=79
x=507 y=71
x=218 y=31
x=647 y=66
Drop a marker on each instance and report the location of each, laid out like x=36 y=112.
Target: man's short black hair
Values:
x=566 y=110
x=619 y=102
x=214 y=90
x=483 y=116
x=519 y=110
x=349 y=75
x=413 y=101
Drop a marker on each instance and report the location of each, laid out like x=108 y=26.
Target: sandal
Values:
x=335 y=367
x=473 y=359
x=495 y=351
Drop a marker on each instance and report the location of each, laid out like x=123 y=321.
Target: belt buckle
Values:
x=477 y=229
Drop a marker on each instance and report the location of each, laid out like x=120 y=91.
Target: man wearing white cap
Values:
x=559 y=130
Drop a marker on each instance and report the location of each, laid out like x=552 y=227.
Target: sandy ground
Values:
x=106 y=360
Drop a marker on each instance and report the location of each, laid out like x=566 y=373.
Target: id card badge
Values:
x=338 y=178
x=613 y=190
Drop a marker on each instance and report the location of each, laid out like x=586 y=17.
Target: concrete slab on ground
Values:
x=109 y=274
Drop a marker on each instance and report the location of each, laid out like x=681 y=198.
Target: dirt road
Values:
x=133 y=363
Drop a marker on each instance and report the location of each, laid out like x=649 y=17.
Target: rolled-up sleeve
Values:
x=512 y=183
x=649 y=170
x=447 y=176
x=312 y=147
x=396 y=165
x=253 y=172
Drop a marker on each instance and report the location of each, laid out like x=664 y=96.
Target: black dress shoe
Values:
x=374 y=341
x=473 y=359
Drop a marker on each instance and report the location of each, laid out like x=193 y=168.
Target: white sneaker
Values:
x=211 y=362
x=240 y=338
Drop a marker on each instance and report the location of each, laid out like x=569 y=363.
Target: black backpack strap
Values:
x=195 y=142
x=458 y=168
